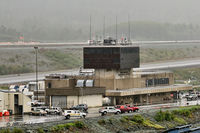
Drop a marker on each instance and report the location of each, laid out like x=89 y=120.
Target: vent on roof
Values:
x=89 y=83
x=80 y=83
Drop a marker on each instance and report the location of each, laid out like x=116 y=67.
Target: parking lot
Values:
x=92 y=112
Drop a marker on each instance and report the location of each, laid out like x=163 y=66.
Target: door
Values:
x=59 y=101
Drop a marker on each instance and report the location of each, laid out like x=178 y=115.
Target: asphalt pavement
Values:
x=92 y=112
x=16 y=78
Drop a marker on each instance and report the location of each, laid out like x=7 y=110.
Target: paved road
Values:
x=170 y=65
x=9 y=79
x=17 y=78
x=81 y=44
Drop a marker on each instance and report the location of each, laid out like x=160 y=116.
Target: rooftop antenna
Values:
x=129 y=30
x=104 y=27
x=116 y=30
x=90 y=31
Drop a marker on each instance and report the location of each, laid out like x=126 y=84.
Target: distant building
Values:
x=39 y=94
x=14 y=101
x=66 y=91
x=114 y=78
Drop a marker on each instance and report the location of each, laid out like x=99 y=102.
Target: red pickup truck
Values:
x=134 y=109
x=124 y=108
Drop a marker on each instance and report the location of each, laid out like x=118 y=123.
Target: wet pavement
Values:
x=27 y=119
x=92 y=112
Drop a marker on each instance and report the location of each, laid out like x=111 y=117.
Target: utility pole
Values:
x=148 y=93
x=36 y=69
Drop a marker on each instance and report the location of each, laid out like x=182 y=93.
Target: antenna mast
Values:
x=129 y=30
x=104 y=27
x=116 y=29
x=90 y=31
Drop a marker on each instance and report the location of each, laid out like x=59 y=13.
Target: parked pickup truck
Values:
x=110 y=110
x=74 y=113
x=54 y=110
x=124 y=108
x=134 y=108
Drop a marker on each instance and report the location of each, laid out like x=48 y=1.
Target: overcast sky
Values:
x=15 y=13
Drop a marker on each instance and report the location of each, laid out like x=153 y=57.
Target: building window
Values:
x=49 y=85
x=155 y=82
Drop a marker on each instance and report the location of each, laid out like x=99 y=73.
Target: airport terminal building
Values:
x=113 y=77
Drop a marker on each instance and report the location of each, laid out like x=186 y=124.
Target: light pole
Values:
x=81 y=94
x=36 y=69
x=147 y=84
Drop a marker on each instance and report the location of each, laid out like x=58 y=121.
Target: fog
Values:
x=28 y=15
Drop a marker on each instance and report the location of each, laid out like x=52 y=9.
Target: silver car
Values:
x=110 y=110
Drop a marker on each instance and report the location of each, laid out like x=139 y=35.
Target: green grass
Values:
x=63 y=127
x=152 y=124
x=177 y=115
x=164 y=116
x=186 y=111
x=63 y=59
x=15 y=130
x=138 y=119
x=179 y=120
x=4 y=87
x=168 y=53
x=14 y=69
x=101 y=122
x=40 y=130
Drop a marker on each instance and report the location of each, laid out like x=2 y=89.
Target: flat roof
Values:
x=8 y=91
x=150 y=72
x=148 y=90
x=109 y=46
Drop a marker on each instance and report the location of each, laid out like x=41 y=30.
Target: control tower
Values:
x=113 y=65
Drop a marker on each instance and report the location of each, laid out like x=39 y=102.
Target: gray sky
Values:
x=16 y=13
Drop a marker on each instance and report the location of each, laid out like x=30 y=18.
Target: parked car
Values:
x=54 y=110
x=134 y=108
x=82 y=107
x=124 y=108
x=191 y=97
x=39 y=112
x=110 y=110
x=74 y=113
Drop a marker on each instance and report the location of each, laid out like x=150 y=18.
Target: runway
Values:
x=17 y=78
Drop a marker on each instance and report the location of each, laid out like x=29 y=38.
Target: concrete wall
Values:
x=72 y=101
x=26 y=104
x=7 y=102
x=2 y=104
x=58 y=83
x=115 y=79
x=90 y=100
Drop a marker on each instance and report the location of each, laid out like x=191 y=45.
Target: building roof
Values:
x=8 y=91
x=109 y=46
x=150 y=72
x=148 y=90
